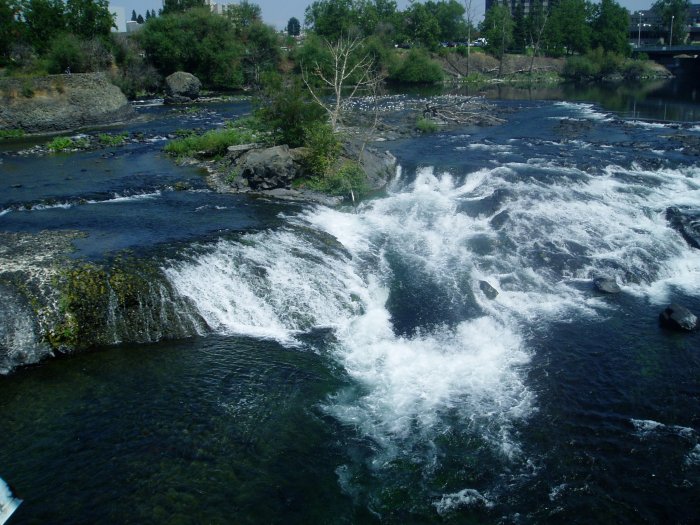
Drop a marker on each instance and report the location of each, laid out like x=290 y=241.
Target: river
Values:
x=345 y=365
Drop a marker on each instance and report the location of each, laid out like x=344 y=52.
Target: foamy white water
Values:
x=560 y=228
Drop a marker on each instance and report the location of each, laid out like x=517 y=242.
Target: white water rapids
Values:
x=564 y=227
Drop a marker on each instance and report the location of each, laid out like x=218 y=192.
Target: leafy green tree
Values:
x=568 y=30
x=180 y=6
x=610 y=27
x=139 y=19
x=450 y=18
x=89 y=18
x=243 y=15
x=497 y=28
x=421 y=26
x=293 y=27
x=148 y=14
x=332 y=19
x=10 y=28
x=43 y=19
x=198 y=42
x=262 y=52
x=673 y=12
x=133 y=15
x=520 y=39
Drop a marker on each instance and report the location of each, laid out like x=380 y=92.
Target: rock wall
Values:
x=61 y=103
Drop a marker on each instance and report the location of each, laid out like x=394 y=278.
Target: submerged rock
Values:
x=679 y=318
x=181 y=87
x=489 y=291
x=606 y=285
x=685 y=223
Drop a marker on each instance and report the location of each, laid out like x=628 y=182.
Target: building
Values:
x=647 y=27
x=527 y=4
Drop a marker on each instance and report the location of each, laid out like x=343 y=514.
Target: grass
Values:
x=105 y=139
x=67 y=143
x=11 y=133
x=212 y=143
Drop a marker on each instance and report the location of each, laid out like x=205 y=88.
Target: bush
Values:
x=426 y=125
x=417 y=68
x=580 y=68
x=65 y=52
x=112 y=140
x=348 y=179
x=285 y=110
x=67 y=143
x=324 y=148
x=635 y=69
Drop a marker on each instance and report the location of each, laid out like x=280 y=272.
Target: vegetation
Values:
x=108 y=140
x=67 y=144
x=416 y=68
x=598 y=65
x=11 y=133
x=210 y=144
x=426 y=125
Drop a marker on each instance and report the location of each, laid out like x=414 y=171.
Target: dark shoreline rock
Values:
x=58 y=103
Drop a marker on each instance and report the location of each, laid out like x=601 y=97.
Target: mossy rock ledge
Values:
x=61 y=103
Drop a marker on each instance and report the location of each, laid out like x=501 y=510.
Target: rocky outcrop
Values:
x=181 y=87
x=61 y=103
x=269 y=168
x=686 y=223
x=679 y=318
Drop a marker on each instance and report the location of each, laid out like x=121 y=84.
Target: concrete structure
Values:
x=527 y=4
x=647 y=28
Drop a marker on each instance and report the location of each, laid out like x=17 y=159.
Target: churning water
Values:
x=360 y=372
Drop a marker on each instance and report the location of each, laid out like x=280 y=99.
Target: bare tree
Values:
x=538 y=22
x=347 y=72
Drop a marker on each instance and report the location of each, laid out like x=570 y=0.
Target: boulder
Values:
x=269 y=168
x=181 y=87
x=679 y=318
x=686 y=223
x=59 y=103
x=488 y=290
x=606 y=285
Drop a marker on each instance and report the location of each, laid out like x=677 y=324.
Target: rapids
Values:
x=350 y=369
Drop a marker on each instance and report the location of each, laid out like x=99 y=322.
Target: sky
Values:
x=276 y=13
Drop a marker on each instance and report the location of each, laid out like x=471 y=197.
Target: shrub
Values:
x=580 y=68
x=65 y=52
x=112 y=140
x=426 y=125
x=416 y=68
x=348 y=179
x=324 y=148
x=285 y=110
x=60 y=144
